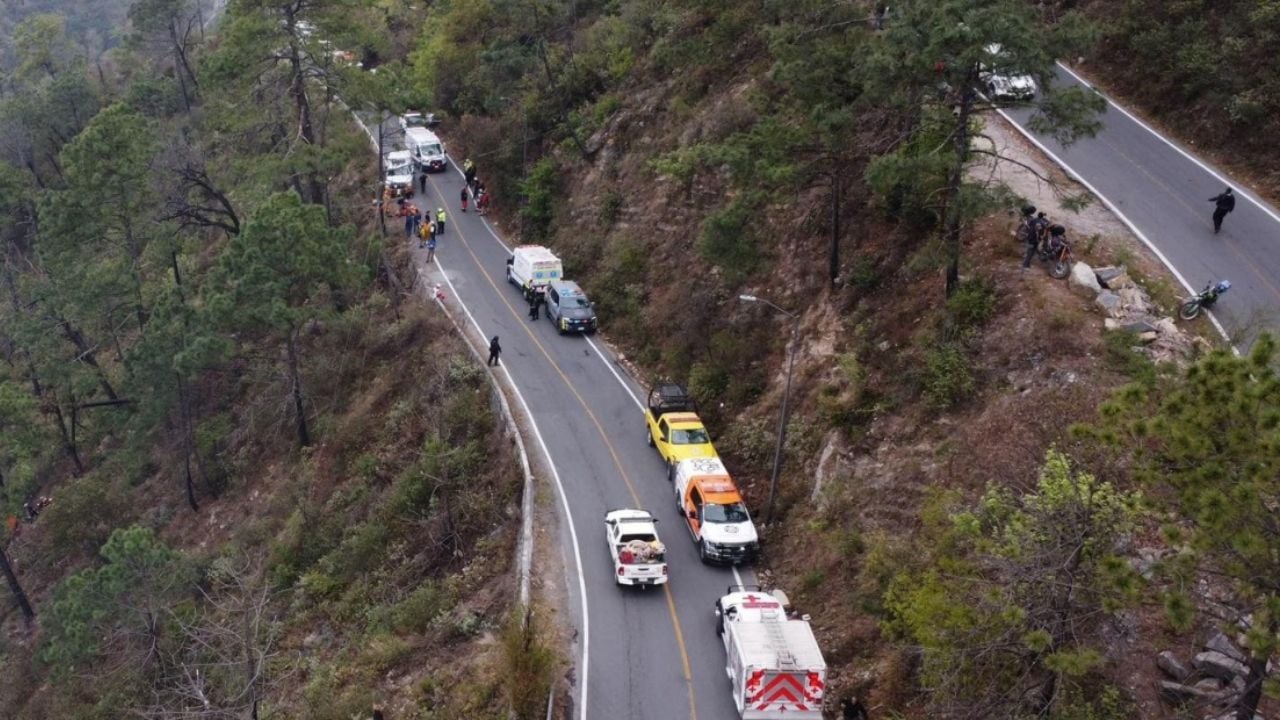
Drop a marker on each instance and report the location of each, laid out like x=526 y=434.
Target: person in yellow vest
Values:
x=440 y=218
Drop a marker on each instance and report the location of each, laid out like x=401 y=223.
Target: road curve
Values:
x=1161 y=189
x=650 y=654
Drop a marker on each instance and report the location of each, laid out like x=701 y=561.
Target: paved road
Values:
x=651 y=655
x=1162 y=192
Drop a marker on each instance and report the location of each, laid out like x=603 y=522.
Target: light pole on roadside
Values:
x=786 y=403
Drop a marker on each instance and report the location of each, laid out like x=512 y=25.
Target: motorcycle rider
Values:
x=1035 y=234
x=1223 y=204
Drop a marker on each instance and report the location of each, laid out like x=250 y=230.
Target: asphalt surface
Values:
x=1163 y=194
x=652 y=654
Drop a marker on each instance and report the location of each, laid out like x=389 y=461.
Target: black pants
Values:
x=439 y=227
x=422 y=183
x=493 y=358
x=1031 y=254
x=1217 y=218
x=533 y=312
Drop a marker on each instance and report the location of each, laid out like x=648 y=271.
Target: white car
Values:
x=1002 y=83
x=639 y=557
x=399 y=170
x=418 y=120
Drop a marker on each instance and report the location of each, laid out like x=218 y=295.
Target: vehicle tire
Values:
x=702 y=552
x=1190 y=309
x=671 y=473
x=648 y=436
x=1060 y=268
x=509 y=273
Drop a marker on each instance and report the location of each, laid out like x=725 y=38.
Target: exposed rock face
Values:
x=1219 y=665
x=1082 y=280
x=1172 y=666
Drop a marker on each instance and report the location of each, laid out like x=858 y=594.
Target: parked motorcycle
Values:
x=1204 y=300
x=1056 y=251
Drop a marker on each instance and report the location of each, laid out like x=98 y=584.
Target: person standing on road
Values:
x=431 y=249
x=422 y=181
x=424 y=231
x=534 y=302
x=406 y=211
x=1225 y=203
x=463 y=198
x=494 y=351
x=469 y=171
x=415 y=219
x=440 y=218
x=482 y=202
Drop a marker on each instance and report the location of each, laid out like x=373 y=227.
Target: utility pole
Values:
x=786 y=404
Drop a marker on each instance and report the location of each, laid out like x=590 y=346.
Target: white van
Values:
x=427 y=149
x=531 y=267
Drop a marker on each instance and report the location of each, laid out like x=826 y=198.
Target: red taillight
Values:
x=621 y=570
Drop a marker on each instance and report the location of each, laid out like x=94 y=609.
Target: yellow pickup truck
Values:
x=674 y=427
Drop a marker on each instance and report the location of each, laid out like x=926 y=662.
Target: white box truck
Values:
x=427 y=149
x=531 y=267
x=773 y=662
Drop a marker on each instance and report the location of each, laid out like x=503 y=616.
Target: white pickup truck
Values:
x=773 y=662
x=639 y=558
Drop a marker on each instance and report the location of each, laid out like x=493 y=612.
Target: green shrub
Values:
x=82 y=519
x=972 y=304
x=528 y=661
x=948 y=378
x=610 y=207
x=864 y=274
x=728 y=238
x=707 y=382
x=539 y=189
x=1122 y=356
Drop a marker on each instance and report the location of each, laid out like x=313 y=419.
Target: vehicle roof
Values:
x=399 y=155
x=568 y=288
x=536 y=253
x=720 y=493
x=702 y=466
x=779 y=644
x=628 y=515
x=420 y=135
x=683 y=418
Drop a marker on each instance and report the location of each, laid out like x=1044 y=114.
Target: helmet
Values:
x=439 y=209
x=1223 y=286
x=1028 y=210
x=1057 y=230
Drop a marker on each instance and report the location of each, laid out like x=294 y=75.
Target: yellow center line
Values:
x=626 y=478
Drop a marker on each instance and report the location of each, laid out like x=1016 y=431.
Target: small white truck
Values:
x=639 y=558
x=531 y=267
x=427 y=149
x=773 y=662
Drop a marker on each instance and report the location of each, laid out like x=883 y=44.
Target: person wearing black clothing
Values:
x=1225 y=203
x=494 y=351
x=534 y=302
x=422 y=182
x=852 y=709
x=1035 y=232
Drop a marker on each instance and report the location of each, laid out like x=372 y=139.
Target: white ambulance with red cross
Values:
x=773 y=661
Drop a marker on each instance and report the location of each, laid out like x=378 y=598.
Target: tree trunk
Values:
x=304 y=435
x=19 y=594
x=960 y=145
x=178 y=65
x=833 y=256
x=87 y=356
x=68 y=438
x=306 y=128
x=1253 y=684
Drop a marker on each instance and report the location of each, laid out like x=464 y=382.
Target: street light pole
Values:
x=786 y=404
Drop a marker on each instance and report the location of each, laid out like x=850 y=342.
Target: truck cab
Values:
x=568 y=308
x=639 y=557
x=674 y=427
x=426 y=148
x=531 y=268
x=399 y=174
x=775 y=667
x=714 y=512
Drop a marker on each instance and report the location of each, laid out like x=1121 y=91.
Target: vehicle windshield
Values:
x=691 y=436
x=415 y=121
x=400 y=169
x=430 y=149
x=642 y=537
x=731 y=513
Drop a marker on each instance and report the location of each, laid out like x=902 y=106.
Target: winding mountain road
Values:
x=639 y=654
x=1160 y=189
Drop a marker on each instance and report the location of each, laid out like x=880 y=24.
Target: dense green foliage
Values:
x=1209 y=67
x=1208 y=444
x=1008 y=607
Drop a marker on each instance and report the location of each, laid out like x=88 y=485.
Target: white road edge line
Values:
x=564 y=502
x=1116 y=210
x=603 y=358
x=555 y=473
x=1239 y=187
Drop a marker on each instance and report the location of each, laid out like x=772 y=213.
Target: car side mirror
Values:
x=693 y=514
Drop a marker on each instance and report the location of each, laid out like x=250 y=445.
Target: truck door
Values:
x=664 y=431
x=694 y=504
x=553 y=301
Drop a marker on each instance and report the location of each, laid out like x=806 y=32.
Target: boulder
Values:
x=1134 y=298
x=1166 y=326
x=1218 y=665
x=1110 y=324
x=1083 y=281
x=1137 y=325
x=1219 y=642
x=1148 y=337
x=1109 y=301
x=1172 y=666
x=1105 y=274
x=1119 y=282
x=1176 y=693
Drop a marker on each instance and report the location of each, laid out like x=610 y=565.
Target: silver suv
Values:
x=568 y=307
